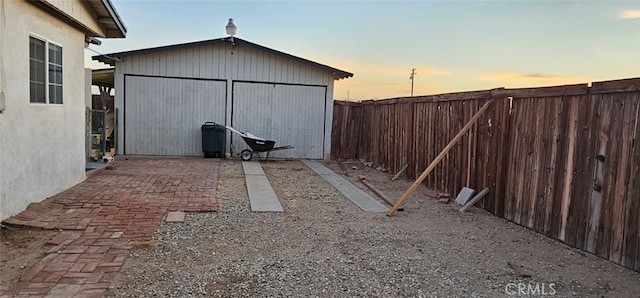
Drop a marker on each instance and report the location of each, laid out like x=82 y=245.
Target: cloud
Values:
x=514 y=79
x=535 y=75
x=629 y=14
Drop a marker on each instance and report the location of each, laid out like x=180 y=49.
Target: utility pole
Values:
x=413 y=75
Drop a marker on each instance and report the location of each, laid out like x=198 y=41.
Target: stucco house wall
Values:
x=41 y=145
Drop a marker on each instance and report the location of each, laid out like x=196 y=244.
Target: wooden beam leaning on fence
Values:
x=439 y=158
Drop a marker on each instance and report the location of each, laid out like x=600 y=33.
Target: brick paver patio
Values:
x=104 y=217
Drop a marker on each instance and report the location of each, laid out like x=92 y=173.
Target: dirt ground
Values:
x=20 y=248
x=324 y=245
x=572 y=271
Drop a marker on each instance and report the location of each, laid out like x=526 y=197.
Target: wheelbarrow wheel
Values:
x=246 y=155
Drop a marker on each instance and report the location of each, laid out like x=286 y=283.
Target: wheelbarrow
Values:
x=257 y=145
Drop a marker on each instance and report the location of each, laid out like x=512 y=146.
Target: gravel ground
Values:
x=323 y=245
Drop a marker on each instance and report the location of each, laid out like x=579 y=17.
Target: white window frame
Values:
x=47 y=64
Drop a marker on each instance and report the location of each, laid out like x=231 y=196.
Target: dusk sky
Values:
x=454 y=45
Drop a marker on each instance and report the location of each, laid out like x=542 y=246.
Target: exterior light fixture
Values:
x=231 y=29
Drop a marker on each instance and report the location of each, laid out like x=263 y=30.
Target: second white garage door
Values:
x=163 y=116
x=288 y=114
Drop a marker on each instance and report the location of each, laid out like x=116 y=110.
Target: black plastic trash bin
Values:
x=213 y=136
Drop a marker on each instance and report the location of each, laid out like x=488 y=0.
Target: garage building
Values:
x=165 y=94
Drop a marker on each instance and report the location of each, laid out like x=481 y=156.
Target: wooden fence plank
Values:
x=561 y=160
x=585 y=167
x=368 y=135
x=463 y=150
x=442 y=136
x=446 y=161
x=631 y=238
x=543 y=154
x=521 y=159
x=418 y=132
x=555 y=105
x=425 y=133
x=468 y=146
x=637 y=266
x=471 y=107
x=457 y=96
x=435 y=162
x=398 y=151
x=566 y=192
x=622 y=178
x=532 y=136
x=411 y=150
x=566 y=90
x=580 y=179
x=492 y=123
x=625 y=85
x=437 y=139
x=431 y=126
x=537 y=152
x=603 y=238
x=595 y=205
x=499 y=193
x=482 y=154
x=512 y=167
x=456 y=176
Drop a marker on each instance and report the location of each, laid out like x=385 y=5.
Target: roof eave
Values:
x=105 y=60
x=98 y=6
x=103 y=77
x=121 y=31
x=111 y=58
x=336 y=73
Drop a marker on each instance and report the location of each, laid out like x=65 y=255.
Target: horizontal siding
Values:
x=163 y=116
x=287 y=114
x=220 y=61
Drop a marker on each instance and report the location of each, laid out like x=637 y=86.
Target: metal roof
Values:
x=112 y=57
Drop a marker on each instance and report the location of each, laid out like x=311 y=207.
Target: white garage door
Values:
x=288 y=114
x=163 y=115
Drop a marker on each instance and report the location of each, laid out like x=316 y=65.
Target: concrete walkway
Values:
x=261 y=194
x=103 y=218
x=353 y=193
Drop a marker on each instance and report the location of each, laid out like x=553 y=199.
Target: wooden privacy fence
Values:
x=562 y=160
